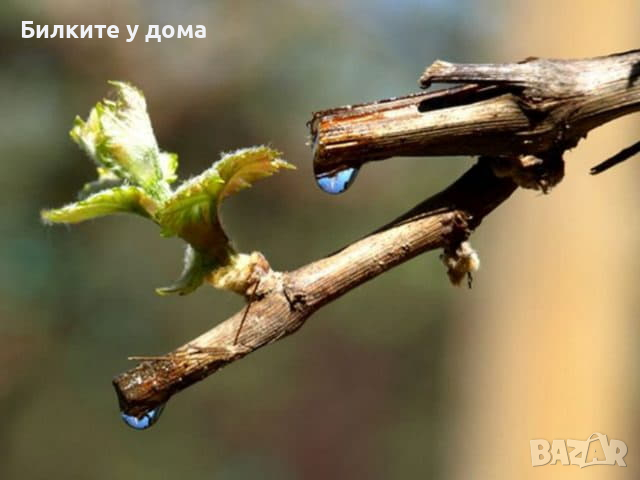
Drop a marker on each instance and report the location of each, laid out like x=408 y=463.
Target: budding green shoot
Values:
x=135 y=176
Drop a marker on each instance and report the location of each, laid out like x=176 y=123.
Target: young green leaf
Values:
x=118 y=136
x=240 y=169
x=192 y=212
x=194 y=272
x=114 y=200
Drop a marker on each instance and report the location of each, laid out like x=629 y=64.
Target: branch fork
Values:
x=519 y=118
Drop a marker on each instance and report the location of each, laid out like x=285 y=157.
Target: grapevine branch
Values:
x=518 y=118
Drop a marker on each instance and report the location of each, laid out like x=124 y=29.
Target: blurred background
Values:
x=406 y=377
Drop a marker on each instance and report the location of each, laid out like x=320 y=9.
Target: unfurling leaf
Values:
x=194 y=272
x=192 y=212
x=118 y=136
x=240 y=169
x=114 y=200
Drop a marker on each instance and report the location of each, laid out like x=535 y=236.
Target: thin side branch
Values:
x=619 y=157
x=519 y=117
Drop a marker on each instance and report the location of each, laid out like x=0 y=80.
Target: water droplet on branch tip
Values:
x=144 y=421
x=338 y=182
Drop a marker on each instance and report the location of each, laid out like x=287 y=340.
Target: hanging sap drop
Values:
x=145 y=421
x=338 y=182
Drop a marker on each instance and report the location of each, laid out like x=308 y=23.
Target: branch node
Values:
x=461 y=261
x=296 y=301
x=242 y=275
x=536 y=172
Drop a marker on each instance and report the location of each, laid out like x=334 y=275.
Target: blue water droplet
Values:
x=145 y=421
x=338 y=182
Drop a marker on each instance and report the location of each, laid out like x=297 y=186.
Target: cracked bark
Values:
x=508 y=113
